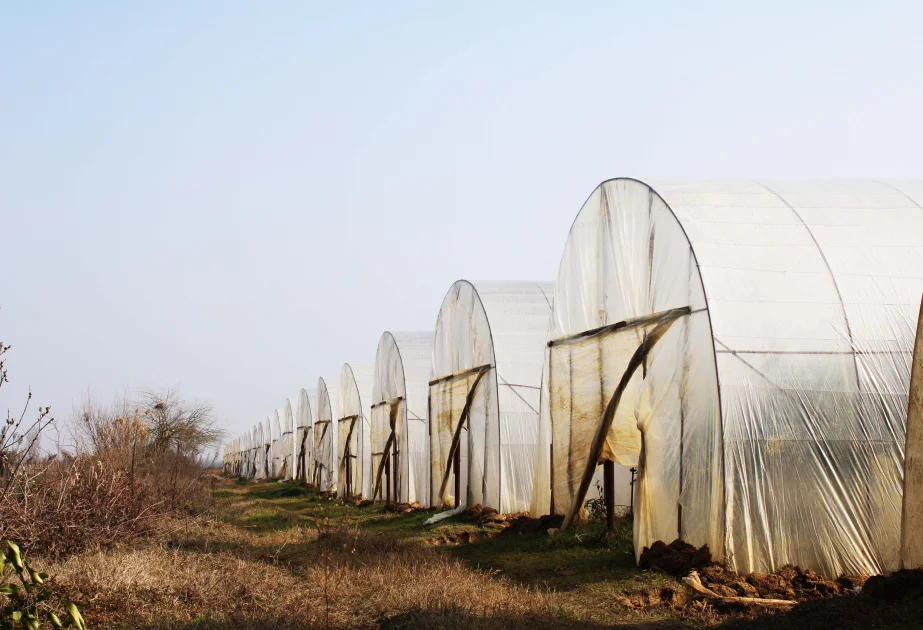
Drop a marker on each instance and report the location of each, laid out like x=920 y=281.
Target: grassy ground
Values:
x=276 y=555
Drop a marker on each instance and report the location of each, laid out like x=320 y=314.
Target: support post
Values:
x=551 y=459
x=631 y=490
x=458 y=476
x=387 y=479
x=609 y=491
x=349 y=477
x=394 y=462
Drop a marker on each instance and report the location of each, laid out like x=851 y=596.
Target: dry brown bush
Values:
x=127 y=470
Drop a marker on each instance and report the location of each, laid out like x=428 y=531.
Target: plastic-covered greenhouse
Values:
x=288 y=442
x=303 y=443
x=277 y=449
x=748 y=346
x=323 y=473
x=267 y=447
x=256 y=450
x=484 y=393
x=354 y=452
x=400 y=431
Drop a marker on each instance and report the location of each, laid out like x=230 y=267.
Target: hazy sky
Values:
x=238 y=197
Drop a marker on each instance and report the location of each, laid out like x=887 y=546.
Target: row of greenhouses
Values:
x=744 y=348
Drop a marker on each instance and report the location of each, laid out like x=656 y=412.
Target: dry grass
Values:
x=274 y=555
x=222 y=576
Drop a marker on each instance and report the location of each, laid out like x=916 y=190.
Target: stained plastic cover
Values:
x=484 y=392
x=912 y=522
x=771 y=417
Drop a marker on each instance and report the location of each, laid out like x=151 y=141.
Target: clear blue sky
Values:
x=237 y=197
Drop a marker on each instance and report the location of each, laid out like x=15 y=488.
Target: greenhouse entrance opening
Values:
x=451 y=398
x=386 y=450
x=600 y=403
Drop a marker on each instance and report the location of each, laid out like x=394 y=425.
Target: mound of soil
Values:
x=480 y=515
x=525 y=524
x=361 y=503
x=791 y=583
x=401 y=508
x=678 y=558
x=327 y=495
x=898 y=585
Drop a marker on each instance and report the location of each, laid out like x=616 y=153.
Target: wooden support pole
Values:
x=458 y=476
x=348 y=475
x=609 y=490
x=394 y=463
x=387 y=478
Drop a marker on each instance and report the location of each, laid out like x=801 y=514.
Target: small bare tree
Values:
x=19 y=437
x=175 y=425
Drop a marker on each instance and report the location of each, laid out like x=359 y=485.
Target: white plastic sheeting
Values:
x=324 y=471
x=769 y=422
x=484 y=394
x=399 y=431
x=354 y=451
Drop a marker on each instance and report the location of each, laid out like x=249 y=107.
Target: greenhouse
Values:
x=267 y=447
x=275 y=427
x=748 y=347
x=256 y=448
x=354 y=452
x=303 y=443
x=288 y=442
x=323 y=472
x=400 y=431
x=484 y=393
